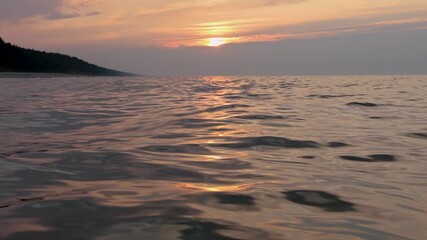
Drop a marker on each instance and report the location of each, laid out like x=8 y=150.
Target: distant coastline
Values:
x=37 y=75
x=22 y=62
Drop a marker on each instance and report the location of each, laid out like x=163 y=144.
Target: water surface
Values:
x=220 y=158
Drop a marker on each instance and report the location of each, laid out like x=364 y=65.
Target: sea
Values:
x=213 y=158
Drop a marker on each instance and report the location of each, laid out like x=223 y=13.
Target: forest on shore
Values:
x=17 y=59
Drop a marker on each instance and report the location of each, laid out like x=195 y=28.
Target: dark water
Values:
x=220 y=158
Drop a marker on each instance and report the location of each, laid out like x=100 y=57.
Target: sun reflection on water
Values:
x=214 y=188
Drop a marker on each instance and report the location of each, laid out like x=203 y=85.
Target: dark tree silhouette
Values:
x=17 y=59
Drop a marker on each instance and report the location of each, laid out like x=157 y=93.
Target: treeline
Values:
x=17 y=59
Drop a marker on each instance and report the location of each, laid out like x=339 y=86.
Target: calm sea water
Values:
x=215 y=158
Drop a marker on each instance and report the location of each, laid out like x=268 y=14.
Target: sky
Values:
x=227 y=37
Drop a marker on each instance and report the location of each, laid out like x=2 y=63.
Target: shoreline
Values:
x=45 y=75
x=34 y=75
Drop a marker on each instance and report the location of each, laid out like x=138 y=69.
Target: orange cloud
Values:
x=400 y=24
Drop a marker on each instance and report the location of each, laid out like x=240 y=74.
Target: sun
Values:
x=215 y=42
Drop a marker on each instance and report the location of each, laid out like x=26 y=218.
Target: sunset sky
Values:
x=227 y=37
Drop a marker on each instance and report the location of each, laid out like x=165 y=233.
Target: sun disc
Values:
x=215 y=42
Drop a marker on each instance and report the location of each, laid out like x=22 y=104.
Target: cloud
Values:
x=48 y=9
x=380 y=26
x=15 y=9
x=93 y=14
x=191 y=22
x=78 y=4
x=59 y=16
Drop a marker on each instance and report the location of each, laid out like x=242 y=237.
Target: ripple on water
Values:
x=180 y=175
x=337 y=144
x=235 y=199
x=226 y=201
x=418 y=135
x=362 y=104
x=326 y=96
x=185 y=148
x=308 y=157
x=170 y=158
x=173 y=136
x=225 y=107
x=220 y=231
x=371 y=158
x=197 y=123
x=226 y=164
x=260 y=116
x=323 y=200
x=269 y=141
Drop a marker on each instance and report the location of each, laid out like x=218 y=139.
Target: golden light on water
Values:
x=214 y=188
